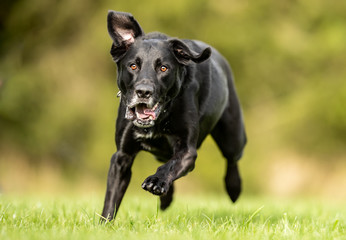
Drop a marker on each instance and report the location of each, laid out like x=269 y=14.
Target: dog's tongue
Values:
x=149 y=113
x=144 y=113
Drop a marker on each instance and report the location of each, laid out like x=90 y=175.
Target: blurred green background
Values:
x=58 y=90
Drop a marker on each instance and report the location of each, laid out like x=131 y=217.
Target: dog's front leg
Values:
x=182 y=162
x=119 y=176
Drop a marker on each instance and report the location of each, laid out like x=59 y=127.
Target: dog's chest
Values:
x=158 y=145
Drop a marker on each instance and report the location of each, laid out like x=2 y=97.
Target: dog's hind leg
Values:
x=229 y=134
x=166 y=199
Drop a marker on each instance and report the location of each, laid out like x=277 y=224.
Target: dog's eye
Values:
x=163 y=68
x=133 y=66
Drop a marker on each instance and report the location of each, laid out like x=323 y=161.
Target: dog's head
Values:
x=150 y=67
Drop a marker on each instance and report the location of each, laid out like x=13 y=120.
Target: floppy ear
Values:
x=184 y=54
x=123 y=29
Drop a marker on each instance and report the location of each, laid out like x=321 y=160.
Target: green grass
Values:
x=210 y=217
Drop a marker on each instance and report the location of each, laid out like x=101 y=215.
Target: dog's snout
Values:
x=144 y=90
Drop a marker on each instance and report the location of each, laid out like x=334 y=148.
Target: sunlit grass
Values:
x=199 y=217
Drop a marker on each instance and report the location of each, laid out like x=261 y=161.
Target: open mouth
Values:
x=142 y=115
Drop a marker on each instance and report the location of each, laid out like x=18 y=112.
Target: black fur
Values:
x=173 y=94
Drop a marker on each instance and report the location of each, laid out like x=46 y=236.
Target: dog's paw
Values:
x=155 y=185
x=233 y=183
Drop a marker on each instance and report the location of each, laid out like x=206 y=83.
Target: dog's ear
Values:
x=123 y=29
x=184 y=54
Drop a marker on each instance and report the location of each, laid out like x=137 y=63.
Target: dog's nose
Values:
x=144 y=91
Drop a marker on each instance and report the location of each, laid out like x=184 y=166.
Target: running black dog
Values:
x=173 y=94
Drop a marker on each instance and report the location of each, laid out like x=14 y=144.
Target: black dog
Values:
x=173 y=94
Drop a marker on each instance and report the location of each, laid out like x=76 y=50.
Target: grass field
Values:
x=198 y=217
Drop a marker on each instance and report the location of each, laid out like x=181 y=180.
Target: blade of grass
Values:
x=253 y=215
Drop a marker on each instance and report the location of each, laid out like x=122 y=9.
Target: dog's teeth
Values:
x=129 y=114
